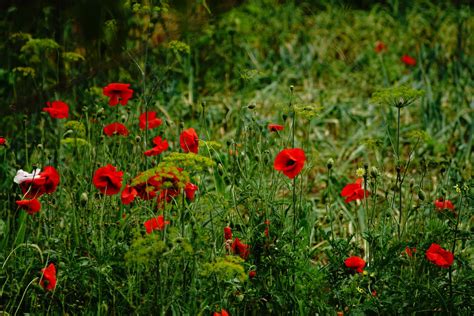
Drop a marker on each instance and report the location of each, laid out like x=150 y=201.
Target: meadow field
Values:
x=255 y=157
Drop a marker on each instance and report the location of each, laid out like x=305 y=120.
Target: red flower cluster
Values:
x=108 y=180
x=355 y=263
x=48 y=278
x=275 y=127
x=189 y=141
x=115 y=129
x=160 y=146
x=439 y=256
x=118 y=92
x=149 y=120
x=57 y=109
x=157 y=223
x=32 y=206
x=408 y=60
x=442 y=204
x=290 y=162
x=354 y=191
x=252 y=274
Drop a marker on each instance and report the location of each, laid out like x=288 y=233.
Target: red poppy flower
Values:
x=380 y=47
x=439 y=256
x=240 y=249
x=222 y=313
x=115 y=129
x=108 y=180
x=290 y=162
x=160 y=146
x=189 y=141
x=354 y=191
x=46 y=182
x=48 y=279
x=157 y=223
x=442 y=204
x=57 y=109
x=410 y=251
x=227 y=233
x=30 y=206
x=128 y=194
x=3 y=141
x=190 y=190
x=151 y=118
x=408 y=60
x=275 y=127
x=355 y=263
x=118 y=92
x=252 y=274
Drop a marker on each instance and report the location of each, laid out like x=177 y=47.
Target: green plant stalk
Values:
x=453 y=248
x=399 y=179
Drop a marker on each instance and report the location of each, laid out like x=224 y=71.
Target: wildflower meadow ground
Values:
x=250 y=158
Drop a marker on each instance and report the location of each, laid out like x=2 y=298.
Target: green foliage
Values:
x=190 y=161
x=226 y=269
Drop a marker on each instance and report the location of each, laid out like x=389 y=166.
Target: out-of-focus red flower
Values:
x=32 y=206
x=355 y=263
x=267 y=228
x=128 y=194
x=252 y=274
x=48 y=279
x=380 y=47
x=190 y=190
x=410 y=251
x=227 y=233
x=115 y=129
x=222 y=313
x=118 y=92
x=160 y=146
x=46 y=182
x=108 y=180
x=275 y=127
x=354 y=191
x=290 y=162
x=439 y=256
x=151 y=118
x=408 y=60
x=442 y=204
x=241 y=249
x=3 y=141
x=374 y=293
x=157 y=223
x=57 y=109
x=189 y=141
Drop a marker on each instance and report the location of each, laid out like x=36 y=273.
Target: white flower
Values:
x=22 y=176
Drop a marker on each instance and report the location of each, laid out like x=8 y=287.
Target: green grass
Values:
x=234 y=80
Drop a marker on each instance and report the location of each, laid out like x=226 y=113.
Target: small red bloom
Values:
x=48 y=278
x=290 y=162
x=190 y=190
x=160 y=146
x=227 y=233
x=118 y=92
x=354 y=191
x=439 y=256
x=240 y=249
x=252 y=274
x=380 y=47
x=57 y=109
x=442 y=204
x=151 y=118
x=189 y=141
x=46 y=182
x=157 y=223
x=410 y=251
x=275 y=127
x=3 y=141
x=222 y=313
x=408 y=60
x=115 y=129
x=374 y=293
x=355 y=263
x=108 y=180
x=128 y=194
x=32 y=206
x=267 y=228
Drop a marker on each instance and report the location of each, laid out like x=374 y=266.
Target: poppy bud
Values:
x=252 y=274
x=138 y=139
x=399 y=169
x=292 y=87
x=40 y=146
x=181 y=125
x=124 y=118
x=374 y=172
x=84 y=198
x=412 y=183
x=421 y=195
x=251 y=106
x=330 y=163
